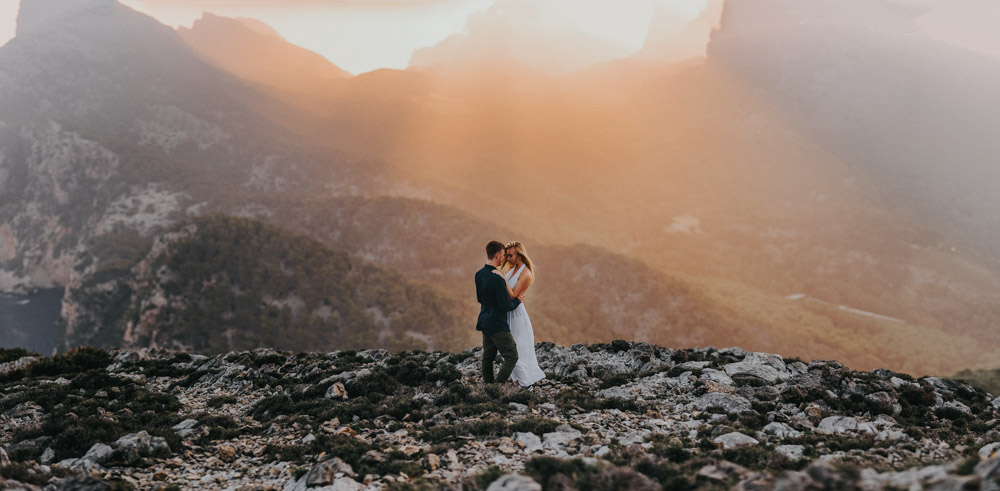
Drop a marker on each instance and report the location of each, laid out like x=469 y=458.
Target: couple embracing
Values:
x=503 y=320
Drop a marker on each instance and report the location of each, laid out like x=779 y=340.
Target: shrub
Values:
x=70 y=363
x=538 y=426
x=14 y=354
x=377 y=383
x=484 y=478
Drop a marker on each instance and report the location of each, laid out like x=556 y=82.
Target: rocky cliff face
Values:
x=615 y=416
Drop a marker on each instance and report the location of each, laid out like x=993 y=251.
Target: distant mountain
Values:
x=514 y=31
x=866 y=83
x=699 y=199
x=258 y=54
x=107 y=118
x=672 y=39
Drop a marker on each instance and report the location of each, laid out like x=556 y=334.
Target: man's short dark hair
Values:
x=493 y=248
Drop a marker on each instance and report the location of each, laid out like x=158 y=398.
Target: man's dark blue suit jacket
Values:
x=491 y=291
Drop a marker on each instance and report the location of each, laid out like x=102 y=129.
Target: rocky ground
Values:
x=614 y=416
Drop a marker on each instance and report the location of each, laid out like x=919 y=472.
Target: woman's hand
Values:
x=498 y=273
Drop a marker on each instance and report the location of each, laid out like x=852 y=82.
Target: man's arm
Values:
x=503 y=299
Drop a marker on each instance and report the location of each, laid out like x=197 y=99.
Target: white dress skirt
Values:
x=526 y=371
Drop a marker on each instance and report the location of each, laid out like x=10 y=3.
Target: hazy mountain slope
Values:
x=258 y=56
x=107 y=118
x=226 y=283
x=914 y=112
x=582 y=293
x=691 y=169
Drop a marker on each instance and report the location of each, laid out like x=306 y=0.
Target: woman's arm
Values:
x=523 y=282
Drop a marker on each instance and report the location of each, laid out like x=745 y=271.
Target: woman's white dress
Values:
x=526 y=371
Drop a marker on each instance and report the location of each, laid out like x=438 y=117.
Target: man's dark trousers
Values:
x=504 y=343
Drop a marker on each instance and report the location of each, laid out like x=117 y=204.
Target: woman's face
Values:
x=513 y=258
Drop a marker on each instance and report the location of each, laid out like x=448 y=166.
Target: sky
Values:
x=364 y=35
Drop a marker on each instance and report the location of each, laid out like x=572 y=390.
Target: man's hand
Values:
x=521 y=296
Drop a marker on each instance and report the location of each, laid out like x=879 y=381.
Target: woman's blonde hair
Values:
x=519 y=250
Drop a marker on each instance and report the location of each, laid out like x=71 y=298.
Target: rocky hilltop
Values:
x=612 y=416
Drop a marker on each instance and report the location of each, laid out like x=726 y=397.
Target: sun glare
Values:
x=364 y=36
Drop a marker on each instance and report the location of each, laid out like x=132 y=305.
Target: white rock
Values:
x=185 y=428
x=716 y=376
x=728 y=402
x=98 y=454
x=735 y=440
x=791 y=452
x=530 y=441
x=781 y=430
x=761 y=365
x=957 y=405
x=843 y=424
x=514 y=482
x=990 y=451
x=336 y=391
x=898 y=382
x=563 y=435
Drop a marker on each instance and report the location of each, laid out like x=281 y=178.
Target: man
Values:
x=491 y=291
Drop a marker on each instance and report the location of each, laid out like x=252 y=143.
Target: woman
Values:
x=520 y=275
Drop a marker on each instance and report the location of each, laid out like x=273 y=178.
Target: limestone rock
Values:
x=990 y=451
x=134 y=446
x=730 y=403
x=185 y=428
x=514 y=482
x=529 y=441
x=765 y=366
x=336 y=391
x=781 y=430
x=832 y=425
x=791 y=452
x=735 y=440
x=99 y=453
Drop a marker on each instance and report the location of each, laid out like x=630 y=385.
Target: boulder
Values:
x=134 y=446
x=791 y=452
x=990 y=451
x=727 y=402
x=833 y=425
x=563 y=435
x=336 y=391
x=989 y=472
x=764 y=366
x=717 y=376
x=514 y=482
x=781 y=430
x=735 y=440
x=185 y=428
x=99 y=453
x=325 y=473
x=529 y=441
